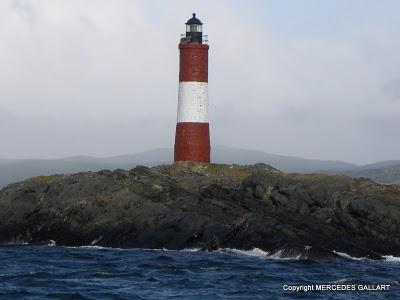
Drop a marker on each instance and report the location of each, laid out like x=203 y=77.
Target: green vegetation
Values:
x=43 y=179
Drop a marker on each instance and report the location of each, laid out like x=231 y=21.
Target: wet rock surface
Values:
x=189 y=205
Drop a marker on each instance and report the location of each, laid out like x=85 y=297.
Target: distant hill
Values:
x=388 y=174
x=19 y=169
x=380 y=165
x=228 y=155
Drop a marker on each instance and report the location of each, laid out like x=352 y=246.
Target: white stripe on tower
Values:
x=193 y=102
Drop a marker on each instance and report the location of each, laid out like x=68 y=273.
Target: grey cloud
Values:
x=100 y=78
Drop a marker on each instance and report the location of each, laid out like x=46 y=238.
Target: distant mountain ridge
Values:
x=12 y=170
x=388 y=174
x=380 y=165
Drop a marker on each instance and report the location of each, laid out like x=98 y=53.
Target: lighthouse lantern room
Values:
x=194 y=30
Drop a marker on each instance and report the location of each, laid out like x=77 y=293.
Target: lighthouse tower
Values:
x=192 y=137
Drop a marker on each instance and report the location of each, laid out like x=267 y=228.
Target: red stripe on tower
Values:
x=192 y=138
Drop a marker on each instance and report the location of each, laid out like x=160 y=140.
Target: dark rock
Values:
x=206 y=206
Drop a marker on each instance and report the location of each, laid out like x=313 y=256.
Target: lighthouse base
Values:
x=192 y=142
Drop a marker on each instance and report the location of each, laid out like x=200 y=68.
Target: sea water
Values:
x=54 y=272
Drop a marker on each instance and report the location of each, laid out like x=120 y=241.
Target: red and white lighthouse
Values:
x=192 y=137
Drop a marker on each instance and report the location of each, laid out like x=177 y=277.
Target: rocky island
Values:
x=206 y=206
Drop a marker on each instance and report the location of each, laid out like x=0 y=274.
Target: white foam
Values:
x=343 y=280
x=99 y=247
x=93 y=247
x=17 y=243
x=172 y=250
x=389 y=258
x=392 y=258
x=254 y=252
x=257 y=252
x=190 y=249
x=132 y=249
x=345 y=255
x=278 y=255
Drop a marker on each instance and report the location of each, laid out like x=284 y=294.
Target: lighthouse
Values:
x=192 y=136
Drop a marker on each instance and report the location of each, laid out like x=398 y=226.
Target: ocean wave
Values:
x=191 y=249
x=257 y=252
x=391 y=258
x=97 y=248
x=39 y=272
x=15 y=243
x=113 y=248
x=171 y=250
x=130 y=249
x=347 y=256
x=344 y=281
x=120 y=249
x=254 y=252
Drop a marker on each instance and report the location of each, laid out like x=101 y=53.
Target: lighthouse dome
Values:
x=194 y=21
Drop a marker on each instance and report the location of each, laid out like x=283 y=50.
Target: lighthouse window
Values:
x=193 y=28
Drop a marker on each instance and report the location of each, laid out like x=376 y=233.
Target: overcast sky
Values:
x=315 y=79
